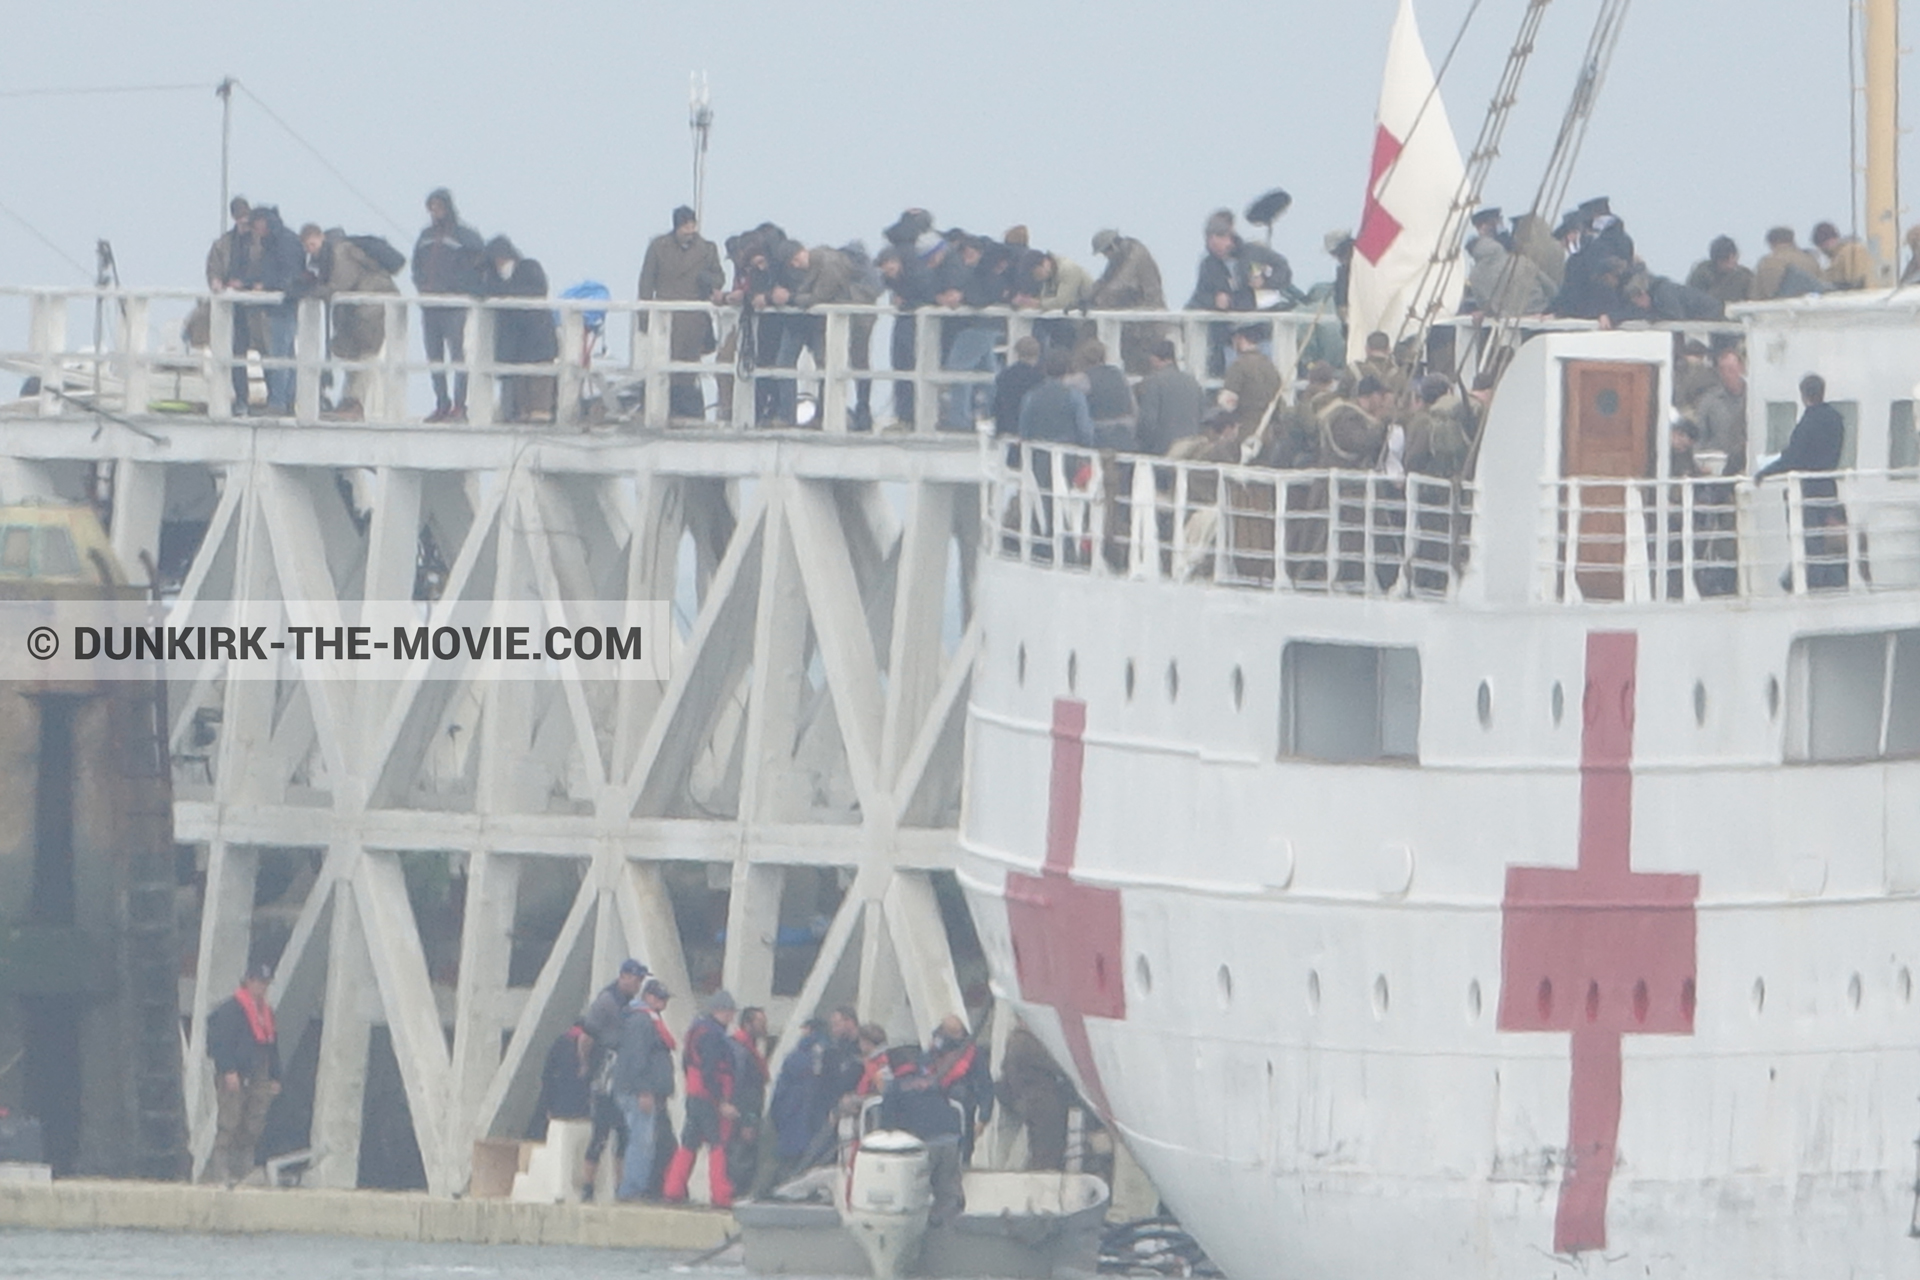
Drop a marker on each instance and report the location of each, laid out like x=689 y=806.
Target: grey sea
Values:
x=151 y=1255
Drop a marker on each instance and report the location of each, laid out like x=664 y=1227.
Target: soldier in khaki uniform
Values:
x=1252 y=382
x=1131 y=282
x=359 y=330
x=1784 y=256
x=824 y=276
x=1378 y=364
x=1848 y=264
x=1721 y=274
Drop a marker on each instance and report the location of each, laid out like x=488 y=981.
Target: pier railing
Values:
x=132 y=352
x=1711 y=537
x=1120 y=515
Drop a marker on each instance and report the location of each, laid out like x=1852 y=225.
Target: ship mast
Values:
x=1882 y=59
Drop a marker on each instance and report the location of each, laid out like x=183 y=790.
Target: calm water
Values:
x=152 y=1255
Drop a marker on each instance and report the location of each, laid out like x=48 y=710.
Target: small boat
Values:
x=1015 y=1225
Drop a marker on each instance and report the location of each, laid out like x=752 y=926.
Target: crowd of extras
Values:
x=1057 y=381
x=770 y=1123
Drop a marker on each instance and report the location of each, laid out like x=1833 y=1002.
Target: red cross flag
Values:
x=1410 y=189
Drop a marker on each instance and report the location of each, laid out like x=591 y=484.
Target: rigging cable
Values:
x=1853 y=114
x=316 y=154
x=1445 y=260
x=1502 y=333
x=44 y=239
x=1438 y=77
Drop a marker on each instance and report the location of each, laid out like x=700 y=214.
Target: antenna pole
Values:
x=700 y=122
x=225 y=94
x=1882 y=58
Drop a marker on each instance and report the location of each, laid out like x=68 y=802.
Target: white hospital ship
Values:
x=1509 y=878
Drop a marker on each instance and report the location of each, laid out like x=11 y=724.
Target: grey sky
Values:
x=564 y=124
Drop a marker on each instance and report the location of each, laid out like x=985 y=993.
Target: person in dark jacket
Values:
x=749 y=1097
x=1231 y=277
x=910 y=265
x=1594 y=287
x=642 y=1083
x=565 y=1091
x=1055 y=410
x=1110 y=401
x=684 y=266
x=1817 y=443
x=446 y=259
x=227 y=263
x=521 y=335
x=708 y=1063
x=276 y=266
x=802 y=1101
x=602 y=1029
x=1171 y=401
x=1013 y=383
x=245 y=1048
x=959 y=1063
x=1040 y=1094
x=915 y=1103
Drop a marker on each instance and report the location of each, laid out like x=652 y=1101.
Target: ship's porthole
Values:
x=1225 y=981
x=1473 y=1001
x=1700 y=702
x=1313 y=991
x=1020 y=666
x=1380 y=995
x=1239 y=683
x=1773 y=697
x=1904 y=985
x=1173 y=682
x=1557 y=703
x=1483 y=705
x=1073 y=672
x=1129 y=679
x=1143 y=975
x=1759 y=996
x=1853 y=991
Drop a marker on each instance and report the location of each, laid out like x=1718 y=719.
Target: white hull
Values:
x=1311 y=1055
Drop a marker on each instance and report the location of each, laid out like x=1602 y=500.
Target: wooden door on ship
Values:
x=1607 y=417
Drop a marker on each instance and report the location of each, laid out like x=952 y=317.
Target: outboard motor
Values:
x=889 y=1195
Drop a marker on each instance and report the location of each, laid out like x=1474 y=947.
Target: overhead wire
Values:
x=88 y=90
x=316 y=153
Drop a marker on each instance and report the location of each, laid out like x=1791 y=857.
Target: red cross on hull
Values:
x=1601 y=951
x=1067 y=937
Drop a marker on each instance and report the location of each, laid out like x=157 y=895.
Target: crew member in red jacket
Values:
x=709 y=1061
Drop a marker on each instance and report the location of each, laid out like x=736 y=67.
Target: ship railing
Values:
x=647 y=364
x=1713 y=537
x=1311 y=531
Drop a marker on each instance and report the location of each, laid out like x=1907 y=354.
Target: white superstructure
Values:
x=1538 y=898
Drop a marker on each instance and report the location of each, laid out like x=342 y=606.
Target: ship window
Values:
x=16 y=550
x=1783 y=414
x=1856 y=697
x=1903 y=445
x=1347 y=703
